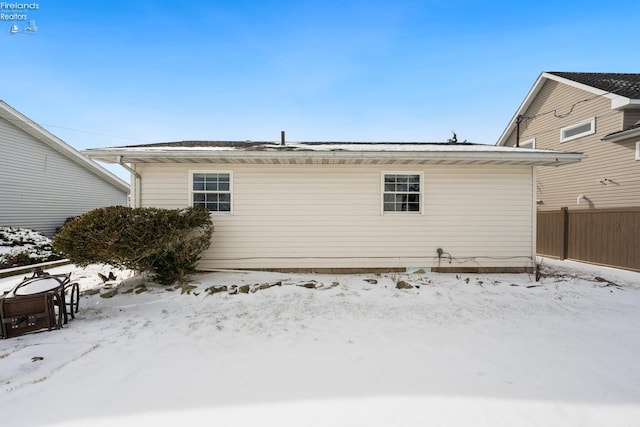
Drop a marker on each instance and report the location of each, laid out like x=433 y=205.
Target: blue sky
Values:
x=114 y=73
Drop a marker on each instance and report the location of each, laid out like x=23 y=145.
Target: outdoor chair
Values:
x=41 y=301
x=70 y=291
x=22 y=314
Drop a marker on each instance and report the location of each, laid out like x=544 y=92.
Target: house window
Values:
x=529 y=143
x=401 y=192
x=638 y=150
x=587 y=127
x=211 y=190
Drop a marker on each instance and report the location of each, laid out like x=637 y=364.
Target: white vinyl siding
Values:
x=587 y=127
x=41 y=188
x=324 y=216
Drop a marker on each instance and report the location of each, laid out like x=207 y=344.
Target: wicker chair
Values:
x=42 y=301
x=22 y=314
x=71 y=291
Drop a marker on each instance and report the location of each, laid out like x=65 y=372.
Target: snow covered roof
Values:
x=267 y=152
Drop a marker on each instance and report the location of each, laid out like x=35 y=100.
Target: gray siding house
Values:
x=44 y=181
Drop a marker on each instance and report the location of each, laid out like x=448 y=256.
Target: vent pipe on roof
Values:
x=282 y=137
x=518 y=120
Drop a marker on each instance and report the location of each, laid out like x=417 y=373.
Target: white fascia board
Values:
x=533 y=157
x=622 y=102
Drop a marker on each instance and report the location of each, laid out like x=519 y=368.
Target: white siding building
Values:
x=348 y=207
x=44 y=181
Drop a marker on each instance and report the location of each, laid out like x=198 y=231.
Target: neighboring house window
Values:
x=587 y=127
x=211 y=190
x=401 y=192
x=638 y=150
x=530 y=143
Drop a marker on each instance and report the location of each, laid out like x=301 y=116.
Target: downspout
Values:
x=138 y=181
x=534 y=220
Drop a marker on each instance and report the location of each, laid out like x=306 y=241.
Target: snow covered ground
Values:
x=459 y=350
x=32 y=244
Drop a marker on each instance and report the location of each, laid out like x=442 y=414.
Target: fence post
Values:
x=565 y=232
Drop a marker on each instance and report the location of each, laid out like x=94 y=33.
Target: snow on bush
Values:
x=22 y=246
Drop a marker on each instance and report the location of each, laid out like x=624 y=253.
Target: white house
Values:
x=349 y=206
x=44 y=181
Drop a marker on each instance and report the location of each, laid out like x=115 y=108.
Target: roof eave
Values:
x=621 y=103
x=533 y=157
x=621 y=136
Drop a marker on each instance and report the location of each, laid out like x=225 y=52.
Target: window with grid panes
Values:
x=212 y=191
x=401 y=192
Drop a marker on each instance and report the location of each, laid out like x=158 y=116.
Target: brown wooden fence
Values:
x=601 y=236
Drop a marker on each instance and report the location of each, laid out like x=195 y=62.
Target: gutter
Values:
x=138 y=181
x=620 y=136
x=534 y=157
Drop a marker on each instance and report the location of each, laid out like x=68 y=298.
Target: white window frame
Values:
x=230 y=192
x=638 y=150
x=531 y=142
x=591 y=131
x=420 y=193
